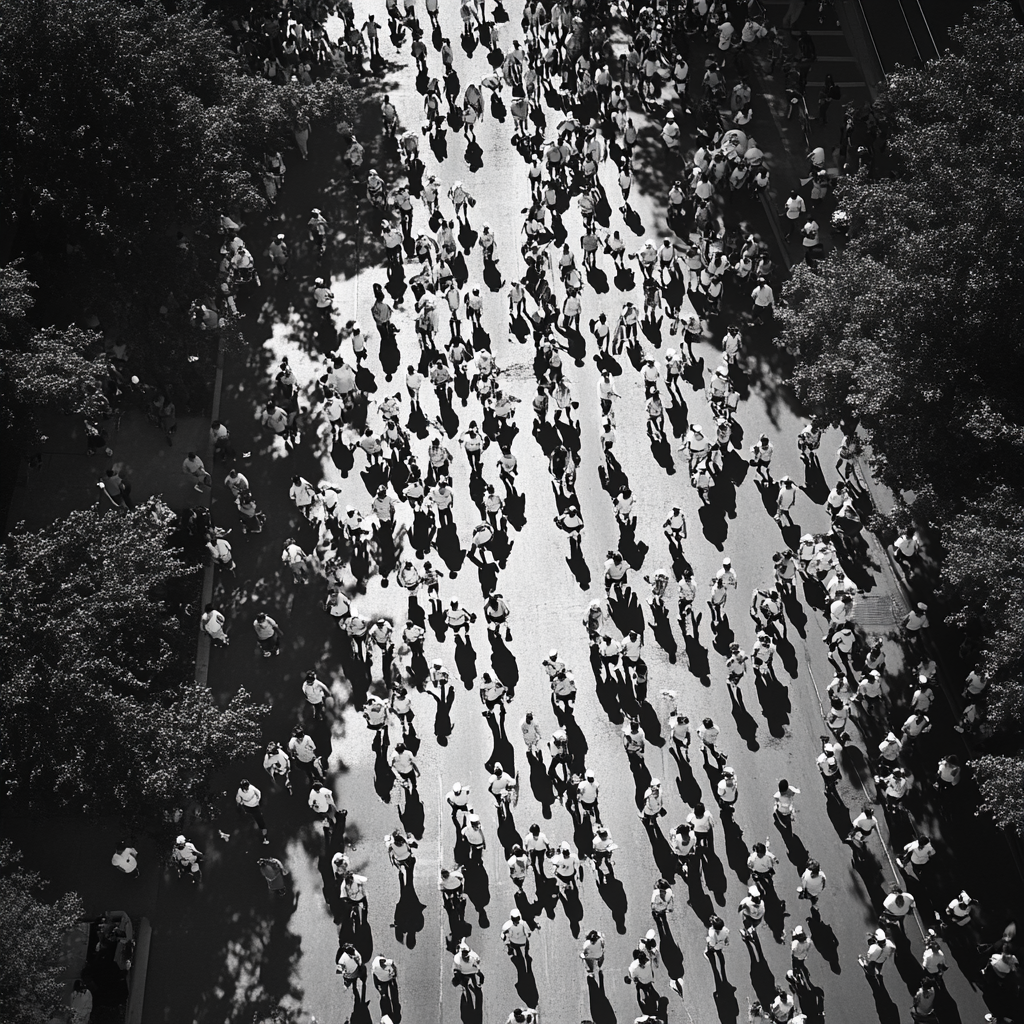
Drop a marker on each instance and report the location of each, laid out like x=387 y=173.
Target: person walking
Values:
x=248 y=799
x=593 y=954
x=268 y=634
x=274 y=874
x=278 y=765
x=212 y=622
x=321 y=802
x=715 y=945
x=316 y=694
x=192 y=466
x=400 y=852
x=662 y=903
x=708 y=734
x=812 y=885
x=349 y=964
x=800 y=947
x=879 y=952
x=125 y=859
x=466 y=968
x=784 y=801
x=385 y=981
x=186 y=857
x=515 y=933
x=302 y=748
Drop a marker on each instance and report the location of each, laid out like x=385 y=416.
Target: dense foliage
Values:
x=915 y=330
x=121 y=123
x=41 y=369
x=31 y=943
x=98 y=711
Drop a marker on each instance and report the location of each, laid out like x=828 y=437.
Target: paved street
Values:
x=225 y=949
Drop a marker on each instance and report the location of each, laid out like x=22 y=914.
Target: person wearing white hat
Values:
x=186 y=857
x=785 y=500
x=457 y=799
x=653 y=806
x=752 y=908
x=475 y=840
x=566 y=865
x=587 y=795
x=800 y=946
x=670 y=133
x=466 y=967
x=916 y=619
x=727 y=792
x=719 y=595
x=880 y=949
x=515 y=933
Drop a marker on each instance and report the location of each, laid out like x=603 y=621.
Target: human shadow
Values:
x=408 y=921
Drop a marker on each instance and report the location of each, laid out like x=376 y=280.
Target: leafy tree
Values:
x=98 y=710
x=119 y=123
x=912 y=330
x=31 y=943
x=1002 y=782
x=39 y=369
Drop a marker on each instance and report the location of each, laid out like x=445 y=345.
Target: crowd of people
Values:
x=404 y=529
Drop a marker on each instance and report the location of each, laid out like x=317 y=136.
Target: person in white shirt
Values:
x=404 y=766
x=727 y=792
x=515 y=933
x=466 y=967
x=186 y=857
x=764 y=301
x=702 y=822
x=474 y=838
x=302 y=748
x=784 y=800
x=662 y=902
x=752 y=908
x=316 y=693
x=800 y=946
x=715 y=944
x=653 y=804
x=587 y=793
x=321 y=802
x=532 y=737
x=880 y=950
x=125 y=859
x=593 y=953
x=248 y=799
x=212 y=621
x=916 y=856
x=351 y=968
x=566 y=864
x=812 y=884
x=897 y=906
x=457 y=799
x=863 y=826
x=796 y=207
x=385 y=979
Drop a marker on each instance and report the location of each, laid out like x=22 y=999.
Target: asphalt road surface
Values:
x=226 y=949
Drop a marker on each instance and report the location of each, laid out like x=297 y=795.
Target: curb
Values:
x=140 y=968
x=203 y=642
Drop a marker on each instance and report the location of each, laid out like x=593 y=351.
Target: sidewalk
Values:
x=65 y=481
x=962 y=834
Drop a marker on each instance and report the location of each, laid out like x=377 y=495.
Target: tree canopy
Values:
x=914 y=329
x=98 y=710
x=32 y=931
x=121 y=122
x=48 y=368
